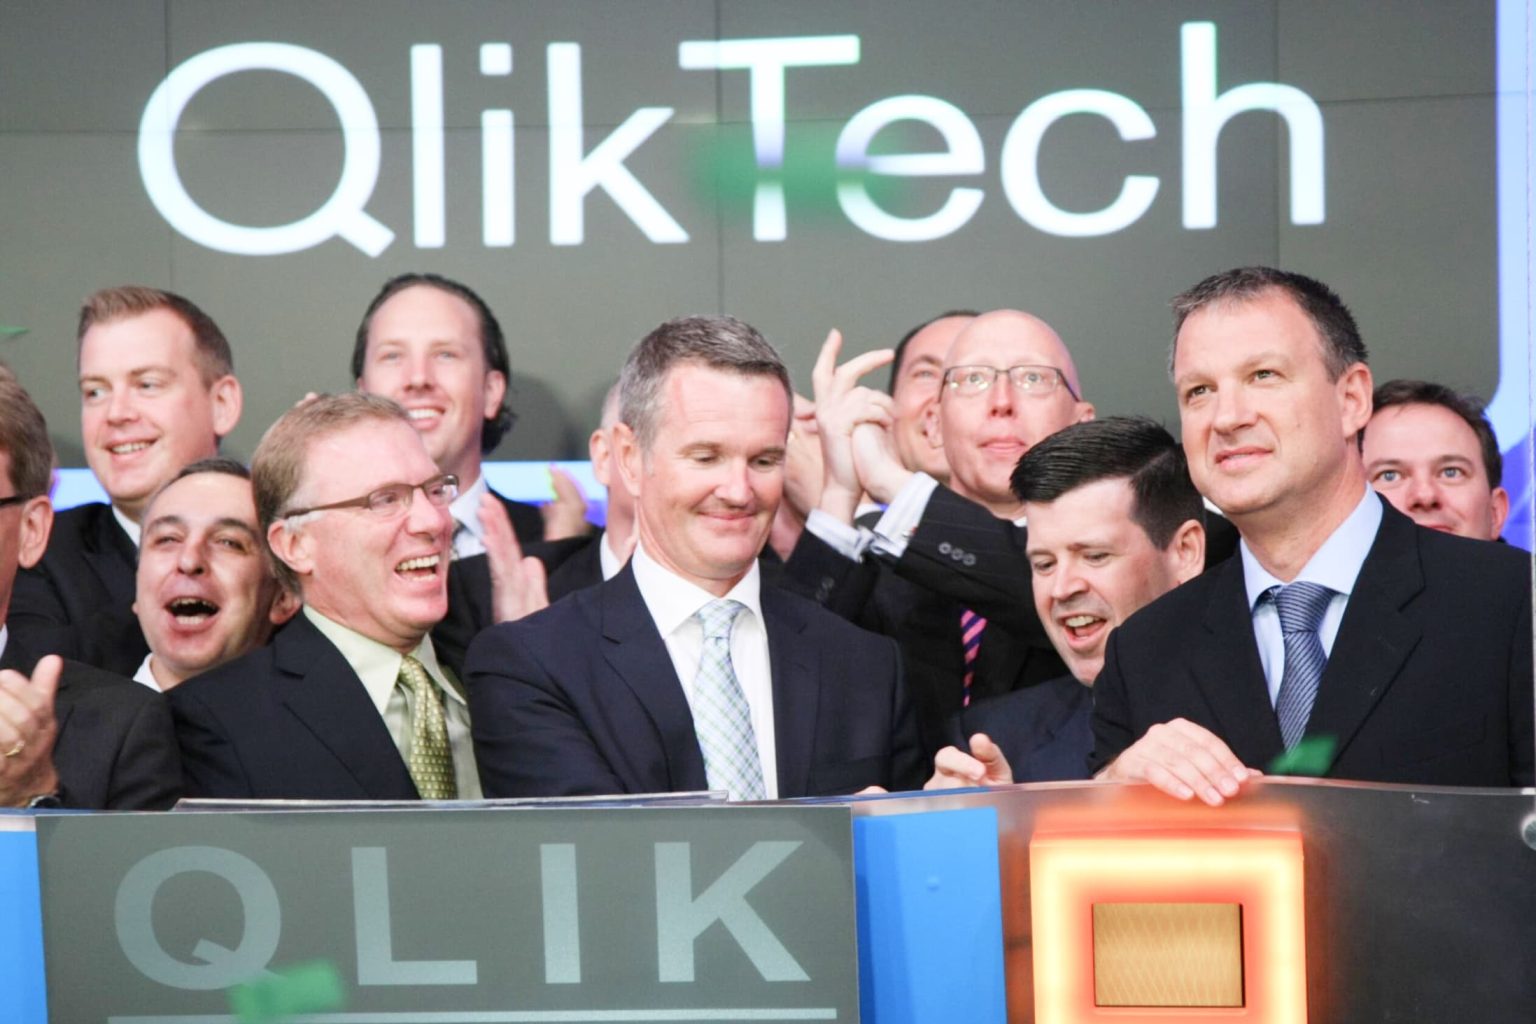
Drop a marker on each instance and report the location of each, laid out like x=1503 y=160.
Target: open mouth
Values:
x=1083 y=627
x=423 y=416
x=128 y=447
x=420 y=568
x=191 y=611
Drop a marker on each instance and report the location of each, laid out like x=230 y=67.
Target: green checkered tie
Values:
x=721 y=716
x=431 y=759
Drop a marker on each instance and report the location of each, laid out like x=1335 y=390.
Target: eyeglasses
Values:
x=392 y=500
x=1040 y=381
x=15 y=499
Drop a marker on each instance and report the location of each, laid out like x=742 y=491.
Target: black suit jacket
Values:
x=78 y=600
x=1045 y=731
x=961 y=557
x=469 y=582
x=290 y=721
x=115 y=748
x=582 y=698
x=1428 y=683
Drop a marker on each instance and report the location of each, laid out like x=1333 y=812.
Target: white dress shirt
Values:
x=607 y=559
x=146 y=675
x=673 y=602
x=131 y=528
x=468 y=534
x=1335 y=565
x=379 y=667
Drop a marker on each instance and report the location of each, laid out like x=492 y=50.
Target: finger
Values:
x=1212 y=747
x=984 y=750
x=45 y=683
x=500 y=539
x=566 y=489
x=535 y=584
x=956 y=763
x=826 y=364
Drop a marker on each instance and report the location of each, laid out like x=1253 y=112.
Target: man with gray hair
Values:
x=683 y=672
x=349 y=702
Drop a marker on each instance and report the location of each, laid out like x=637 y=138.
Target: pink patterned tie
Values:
x=971 y=627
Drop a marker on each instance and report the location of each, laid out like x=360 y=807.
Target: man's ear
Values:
x=600 y=451
x=495 y=387
x=931 y=428
x=631 y=459
x=228 y=401
x=36 y=525
x=284 y=606
x=1186 y=552
x=1085 y=412
x=293 y=546
x=1355 y=388
x=1499 y=510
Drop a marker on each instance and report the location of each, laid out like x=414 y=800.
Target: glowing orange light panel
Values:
x=1259 y=871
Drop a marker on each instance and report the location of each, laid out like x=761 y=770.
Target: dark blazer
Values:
x=78 y=600
x=582 y=698
x=1428 y=683
x=115 y=748
x=1045 y=731
x=289 y=721
x=582 y=569
x=918 y=601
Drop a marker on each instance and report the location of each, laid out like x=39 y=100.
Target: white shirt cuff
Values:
x=900 y=521
x=847 y=540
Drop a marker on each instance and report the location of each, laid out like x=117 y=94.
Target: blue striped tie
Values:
x=722 y=719
x=1301 y=607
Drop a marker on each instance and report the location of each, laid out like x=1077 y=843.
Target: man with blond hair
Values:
x=157 y=391
x=349 y=700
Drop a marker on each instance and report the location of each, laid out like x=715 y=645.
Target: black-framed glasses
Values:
x=16 y=499
x=968 y=381
x=391 y=500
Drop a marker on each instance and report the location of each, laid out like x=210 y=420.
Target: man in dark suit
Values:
x=349 y=700
x=608 y=549
x=683 y=672
x=1007 y=382
x=1114 y=523
x=157 y=391
x=1406 y=652
x=70 y=735
x=433 y=345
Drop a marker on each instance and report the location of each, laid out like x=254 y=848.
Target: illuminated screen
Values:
x=594 y=168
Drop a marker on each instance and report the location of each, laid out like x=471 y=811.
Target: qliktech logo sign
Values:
x=579 y=165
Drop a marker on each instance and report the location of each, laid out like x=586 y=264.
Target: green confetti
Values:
x=7 y=331
x=1312 y=756
x=305 y=988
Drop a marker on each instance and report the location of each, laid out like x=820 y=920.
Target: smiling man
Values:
x=206 y=589
x=157 y=391
x=1340 y=621
x=1433 y=455
x=348 y=701
x=1114 y=523
x=683 y=672
x=917 y=370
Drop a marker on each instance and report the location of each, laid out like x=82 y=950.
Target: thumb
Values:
x=45 y=677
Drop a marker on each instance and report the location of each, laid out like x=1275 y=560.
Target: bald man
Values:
x=940 y=570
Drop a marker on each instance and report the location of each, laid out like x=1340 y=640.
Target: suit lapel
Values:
x=638 y=655
x=1228 y=672
x=321 y=690
x=1374 y=638
x=117 y=558
x=796 y=692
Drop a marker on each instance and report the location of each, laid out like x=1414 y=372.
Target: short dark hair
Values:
x=718 y=342
x=1470 y=409
x=210 y=348
x=1135 y=448
x=901 y=346
x=24 y=438
x=492 y=342
x=1335 y=324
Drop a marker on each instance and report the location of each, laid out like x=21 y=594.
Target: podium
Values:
x=1064 y=902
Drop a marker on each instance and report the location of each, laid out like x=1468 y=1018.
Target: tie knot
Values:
x=717 y=618
x=413 y=675
x=1301 y=606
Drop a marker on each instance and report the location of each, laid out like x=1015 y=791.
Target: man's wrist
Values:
x=839 y=502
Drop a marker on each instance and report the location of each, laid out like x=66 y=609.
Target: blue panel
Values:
x=930 y=918
x=22 y=993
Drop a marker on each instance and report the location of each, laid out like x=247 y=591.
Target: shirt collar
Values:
x=131 y=528
x=1336 y=565
x=465 y=509
x=607 y=559
x=376 y=665
x=672 y=600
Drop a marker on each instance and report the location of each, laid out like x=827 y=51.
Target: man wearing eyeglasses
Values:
x=940 y=570
x=349 y=701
